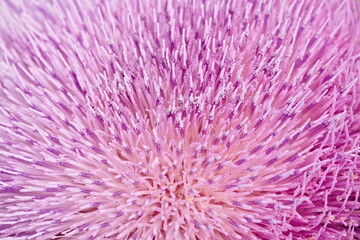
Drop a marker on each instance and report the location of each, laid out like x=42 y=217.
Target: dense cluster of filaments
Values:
x=179 y=119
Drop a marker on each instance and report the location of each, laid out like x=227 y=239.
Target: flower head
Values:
x=179 y=119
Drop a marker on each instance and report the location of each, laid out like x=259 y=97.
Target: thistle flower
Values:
x=179 y=119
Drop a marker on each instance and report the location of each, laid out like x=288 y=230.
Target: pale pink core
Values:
x=145 y=119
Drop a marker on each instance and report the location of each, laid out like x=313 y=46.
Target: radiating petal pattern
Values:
x=180 y=119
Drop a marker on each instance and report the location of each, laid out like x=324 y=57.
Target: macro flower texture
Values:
x=180 y=119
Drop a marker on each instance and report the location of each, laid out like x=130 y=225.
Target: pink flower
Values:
x=146 y=119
